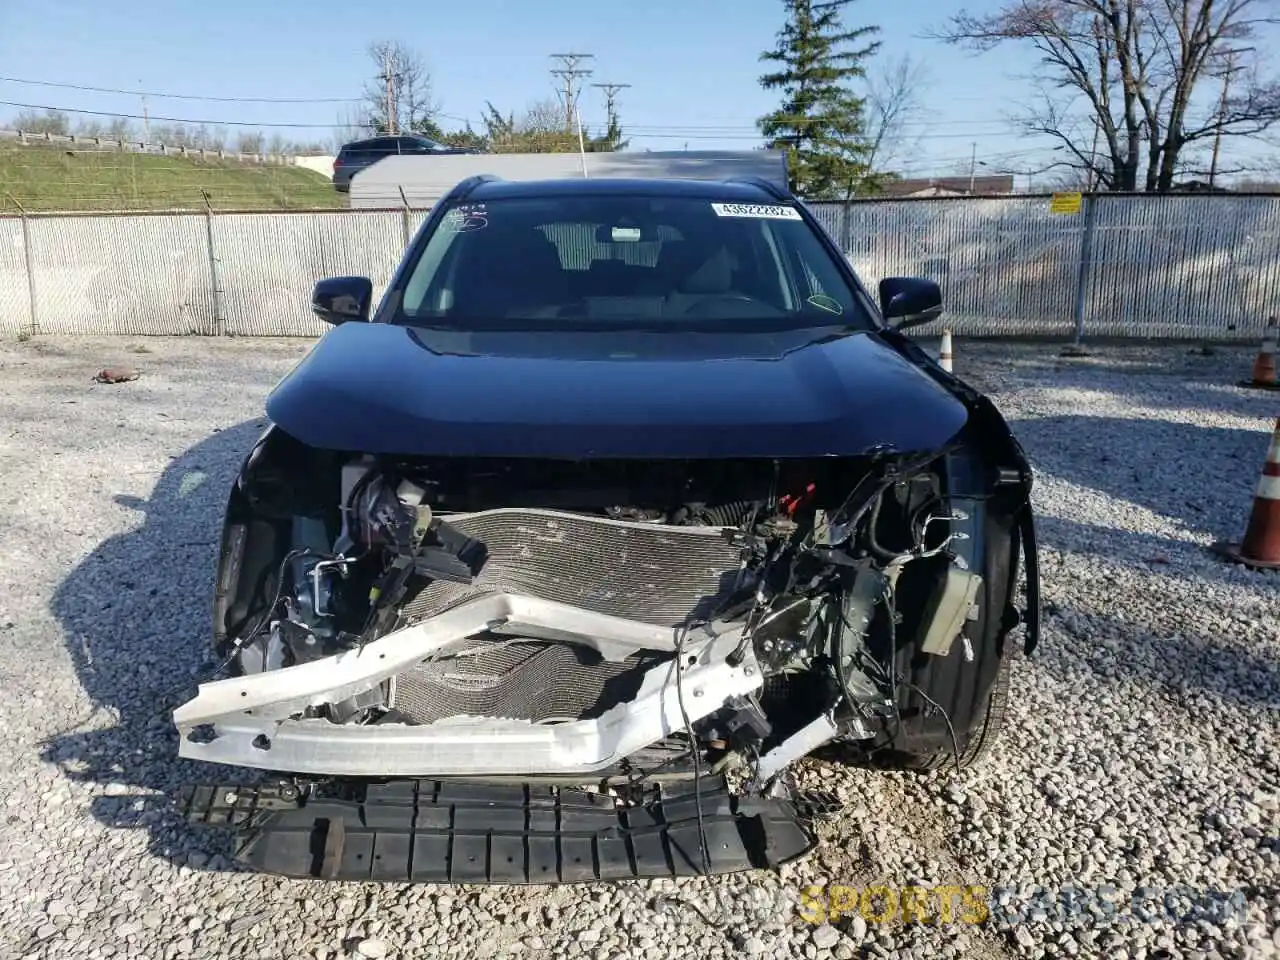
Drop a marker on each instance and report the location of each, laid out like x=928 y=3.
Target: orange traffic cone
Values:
x=1264 y=374
x=944 y=356
x=1260 y=548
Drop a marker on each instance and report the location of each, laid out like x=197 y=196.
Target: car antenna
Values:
x=582 y=147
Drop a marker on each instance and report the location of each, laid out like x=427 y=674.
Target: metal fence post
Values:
x=30 y=265
x=406 y=225
x=1086 y=258
x=219 y=322
x=846 y=228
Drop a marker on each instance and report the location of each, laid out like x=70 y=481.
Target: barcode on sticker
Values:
x=761 y=210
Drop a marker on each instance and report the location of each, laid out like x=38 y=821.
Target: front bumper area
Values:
x=460 y=832
x=252 y=721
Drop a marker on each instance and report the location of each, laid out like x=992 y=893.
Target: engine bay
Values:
x=839 y=578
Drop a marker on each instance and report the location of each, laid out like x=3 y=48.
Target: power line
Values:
x=650 y=132
x=740 y=133
x=657 y=134
x=214 y=99
x=742 y=123
x=179 y=96
x=133 y=116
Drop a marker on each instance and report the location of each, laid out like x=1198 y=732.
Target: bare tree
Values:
x=1123 y=74
x=1068 y=181
x=892 y=105
x=209 y=138
x=119 y=129
x=172 y=135
x=398 y=99
x=51 y=122
x=352 y=123
x=250 y=142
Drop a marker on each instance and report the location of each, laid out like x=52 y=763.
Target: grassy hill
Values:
x=66 y=178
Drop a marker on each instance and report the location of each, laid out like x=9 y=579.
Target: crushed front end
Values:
x=521 y=670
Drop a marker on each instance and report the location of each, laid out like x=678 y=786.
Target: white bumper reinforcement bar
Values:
x=249 y=721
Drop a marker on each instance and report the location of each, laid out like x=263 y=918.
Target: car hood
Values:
x=387 y=389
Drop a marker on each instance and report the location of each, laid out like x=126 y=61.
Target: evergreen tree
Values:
x=820 y=122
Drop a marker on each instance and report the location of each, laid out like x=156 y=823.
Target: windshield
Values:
x=560 y=262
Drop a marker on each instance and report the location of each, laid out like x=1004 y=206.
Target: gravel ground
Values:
x=1142 y=750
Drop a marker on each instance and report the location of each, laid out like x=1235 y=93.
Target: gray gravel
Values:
x=1143 y=748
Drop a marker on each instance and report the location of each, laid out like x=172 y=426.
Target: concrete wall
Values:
x=425 y=179
x=322 y=165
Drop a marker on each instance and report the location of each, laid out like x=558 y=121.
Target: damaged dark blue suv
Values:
x=627 y=496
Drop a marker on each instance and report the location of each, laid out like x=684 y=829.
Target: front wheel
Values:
x=981 y=742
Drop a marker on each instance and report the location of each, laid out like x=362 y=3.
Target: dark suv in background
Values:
x=358 y=154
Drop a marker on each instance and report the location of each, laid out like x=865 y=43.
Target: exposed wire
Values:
x=292 y=555
x=637 y=775
x=693 y=744
x=955 y=744
x=891 y=609
x=239 y=643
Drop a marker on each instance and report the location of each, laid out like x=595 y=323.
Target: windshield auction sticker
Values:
x=465 y=217
x=756 y=210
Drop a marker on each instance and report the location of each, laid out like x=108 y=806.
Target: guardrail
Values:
x=26 y=137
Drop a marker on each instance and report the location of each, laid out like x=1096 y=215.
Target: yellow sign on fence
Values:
x=1066 y=202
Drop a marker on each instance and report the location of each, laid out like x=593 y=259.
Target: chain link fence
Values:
x=1186 y=266
x=1195 y=266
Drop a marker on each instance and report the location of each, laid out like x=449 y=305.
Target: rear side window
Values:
x=416 y=145
x=604 y=259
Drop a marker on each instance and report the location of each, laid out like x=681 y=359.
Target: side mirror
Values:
x=910 y=301
x=339 y=299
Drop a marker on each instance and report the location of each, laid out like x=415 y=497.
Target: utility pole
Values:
x=611 y=97
x=611 y=101
x=569 y=72
x=389 y=78
x=146 y=123
x=1230 y=57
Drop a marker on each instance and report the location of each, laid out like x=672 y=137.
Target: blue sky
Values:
x=692 y=64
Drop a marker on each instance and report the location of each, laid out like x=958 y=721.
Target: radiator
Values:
x=652 y=573
x=520 y=680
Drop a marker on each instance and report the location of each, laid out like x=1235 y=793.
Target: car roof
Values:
x=720 y=190
x=385 y=138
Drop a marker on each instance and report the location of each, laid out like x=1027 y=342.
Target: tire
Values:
x=982 y=738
